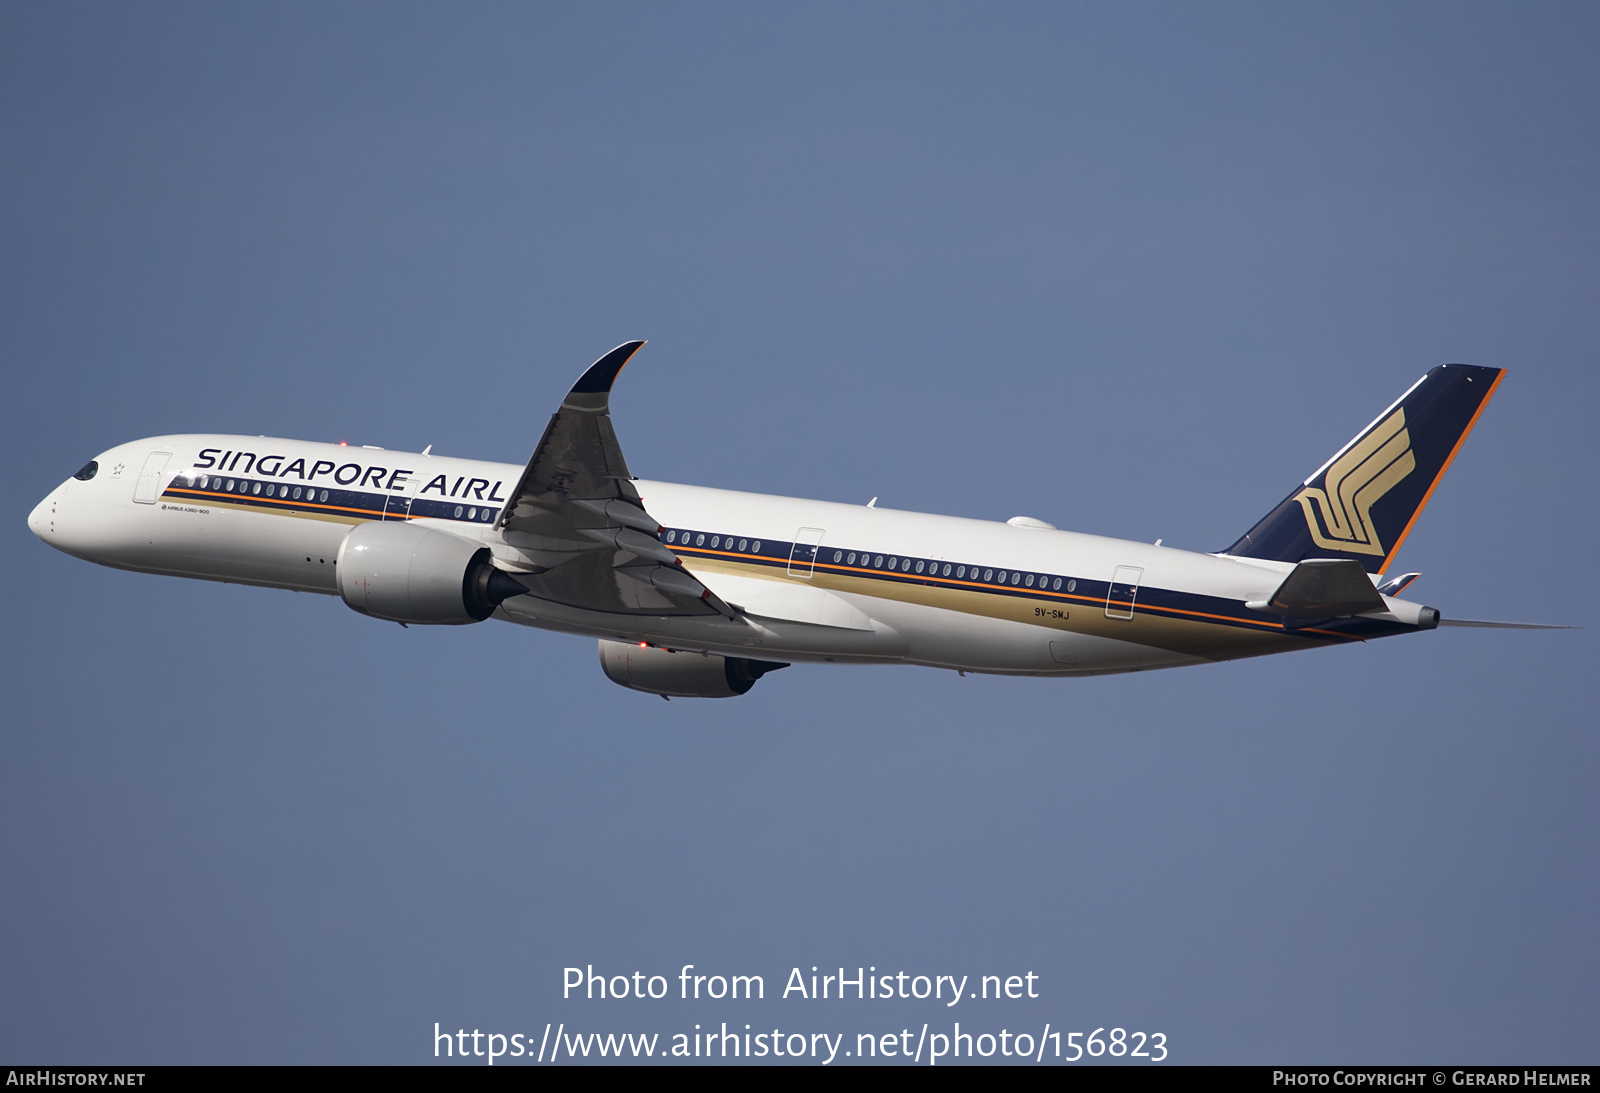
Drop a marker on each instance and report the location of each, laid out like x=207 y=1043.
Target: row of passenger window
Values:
x=957 y=571
x=482 y=514
x=715 y=542
x=258 y=489
x=922 y=566
x=284 y=492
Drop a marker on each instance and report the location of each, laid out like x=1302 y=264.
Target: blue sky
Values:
x=1133 y=269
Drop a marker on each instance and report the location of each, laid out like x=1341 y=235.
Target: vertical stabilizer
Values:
x=1362 y=503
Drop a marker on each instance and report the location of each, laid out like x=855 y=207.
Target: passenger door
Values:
x=803 y=556
x=1124 y=590
x=148 y=488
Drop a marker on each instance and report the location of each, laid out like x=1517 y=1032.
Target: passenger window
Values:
x=838 y=555
x=919 y=566
x=297 y=493
x=894 y=562
x=961 y=571
x=755 y=547
x=1029 y=581
x=716 y=541
x=700 y=540
x=1055 y=585
x=1002 y=577
x=1072 y=586
x=229 y=486
x=947 y=569
x=877 y=563
x=472 y=513
x=458 y=512
x=742 y=544
x=324 y=495
x=852 y=559
x=905 y=565
x=672 y=537
x=1015 y=577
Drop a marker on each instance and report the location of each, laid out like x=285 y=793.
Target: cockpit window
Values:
x=90 y=469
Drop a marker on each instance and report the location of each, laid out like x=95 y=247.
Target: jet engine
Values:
x=680 y=674
x=403 y=572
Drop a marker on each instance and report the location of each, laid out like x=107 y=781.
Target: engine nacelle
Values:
x=680 y=674
x=403 y=572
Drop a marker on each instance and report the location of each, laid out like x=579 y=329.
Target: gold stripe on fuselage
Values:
x=1194 y=634
x=302 y=510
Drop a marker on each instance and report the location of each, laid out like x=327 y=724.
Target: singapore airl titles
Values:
x=353 y=475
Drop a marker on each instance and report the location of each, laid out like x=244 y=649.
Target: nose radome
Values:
x=39 y=520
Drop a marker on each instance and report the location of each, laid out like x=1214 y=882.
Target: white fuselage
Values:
x=812 y=578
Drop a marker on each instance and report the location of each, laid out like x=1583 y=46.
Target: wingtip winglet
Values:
x=603 y=372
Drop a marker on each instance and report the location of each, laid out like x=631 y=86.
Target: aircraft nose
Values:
x=41 y=521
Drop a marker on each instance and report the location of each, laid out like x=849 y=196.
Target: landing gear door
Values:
x=1124 y=590
x=803 y=556
x=148 y=488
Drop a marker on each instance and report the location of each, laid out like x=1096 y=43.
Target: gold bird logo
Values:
x=1340 y=514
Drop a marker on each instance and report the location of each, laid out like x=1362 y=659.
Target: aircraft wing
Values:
x=579 y=530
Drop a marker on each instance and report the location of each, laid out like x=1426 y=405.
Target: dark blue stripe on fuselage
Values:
x=1052 y=588
x=277 y=496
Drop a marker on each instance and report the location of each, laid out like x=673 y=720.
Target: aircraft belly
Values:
x=942 y=638
x=751 y=636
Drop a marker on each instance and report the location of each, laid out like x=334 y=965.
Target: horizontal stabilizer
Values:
x=1504 y=625
x=1323 y=588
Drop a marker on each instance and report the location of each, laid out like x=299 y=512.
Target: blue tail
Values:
x=1363 y=502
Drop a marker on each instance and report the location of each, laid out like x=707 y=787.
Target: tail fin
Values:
x=1362 y=503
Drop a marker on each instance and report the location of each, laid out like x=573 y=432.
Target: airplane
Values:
x=699 y=592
